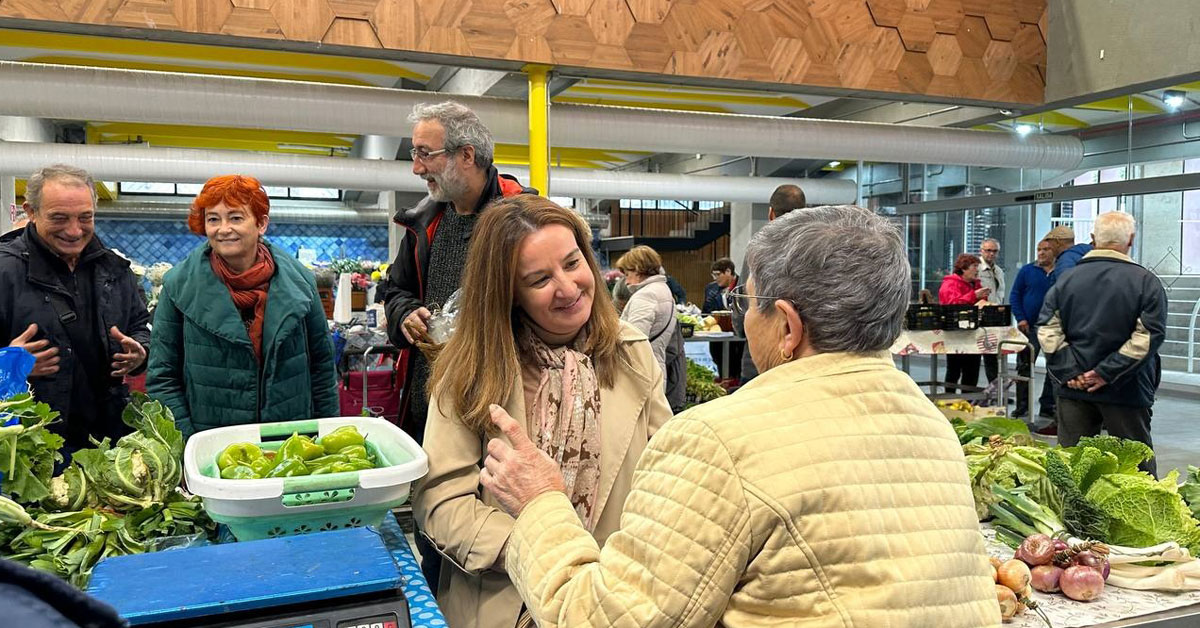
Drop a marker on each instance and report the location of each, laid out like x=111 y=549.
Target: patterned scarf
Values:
x=249 y=290
x=566 y=416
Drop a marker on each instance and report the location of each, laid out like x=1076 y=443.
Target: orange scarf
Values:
x=249 y=290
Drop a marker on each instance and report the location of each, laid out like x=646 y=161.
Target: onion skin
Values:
x=1093 y=560
x=1015 y=575
x=1082 y=584
x=1060 y=545
x=1036 y=549
x=1045 y=578
x=1008 y=602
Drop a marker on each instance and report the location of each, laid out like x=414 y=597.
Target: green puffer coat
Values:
x=202 y=363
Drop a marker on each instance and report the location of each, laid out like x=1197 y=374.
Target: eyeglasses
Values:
x=739 y=301
x=425 y=155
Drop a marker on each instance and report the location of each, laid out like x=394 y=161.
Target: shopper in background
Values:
x=1066 y=253
x=827 y=492
x=18 y=227
x=651 y=310
x=538 y=335
x=991 y=276
x=36 y=599
x=74 y=305
x=962 y=287
x=712 y=296
x=240 y=334
x=725 y=275
x=452 y=151
x=784 y=199
x=1028 y=293
x=1101 y=327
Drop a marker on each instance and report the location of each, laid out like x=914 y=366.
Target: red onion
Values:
x=1091 y=559
x=1045 y=578
x=1081 y=583
x=1036 y=549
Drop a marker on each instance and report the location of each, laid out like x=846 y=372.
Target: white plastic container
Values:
x=270 y=507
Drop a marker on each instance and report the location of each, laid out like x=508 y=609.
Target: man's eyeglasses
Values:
x=425 y=155
x=740 y=302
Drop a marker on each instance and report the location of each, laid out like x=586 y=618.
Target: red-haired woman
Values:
x=962 y=287
x=239 y=333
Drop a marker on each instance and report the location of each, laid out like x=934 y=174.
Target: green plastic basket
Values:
x=255 y=528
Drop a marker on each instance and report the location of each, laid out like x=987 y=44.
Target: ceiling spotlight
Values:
x=1024 y=129
x=835 y=164
x=1174 y=98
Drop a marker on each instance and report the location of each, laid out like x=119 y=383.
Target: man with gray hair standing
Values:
x=74 y=305
x=991 y=276
x=1100 y=328
x=452 y=151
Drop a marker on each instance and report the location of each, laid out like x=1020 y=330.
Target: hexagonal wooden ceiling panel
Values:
x=992 y=51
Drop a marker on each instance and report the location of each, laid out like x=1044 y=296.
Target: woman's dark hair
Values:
x=963 y=262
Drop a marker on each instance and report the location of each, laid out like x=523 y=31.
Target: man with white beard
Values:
x=452 y=151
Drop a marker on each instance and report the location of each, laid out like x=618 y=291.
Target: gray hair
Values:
x=463 y=128
x=60 y=173
x=844 y=269
x=1113 y=229
x=992 y=240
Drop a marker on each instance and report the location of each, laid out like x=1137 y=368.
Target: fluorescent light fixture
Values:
x=1023 y=129
x=835 y=164
x=1174 y=98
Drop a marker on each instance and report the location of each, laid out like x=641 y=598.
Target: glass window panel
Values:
x=276 y=192
x=189 y=189
x=321 y=193
x=140 y=187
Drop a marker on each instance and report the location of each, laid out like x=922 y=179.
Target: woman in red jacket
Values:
x=962 y=288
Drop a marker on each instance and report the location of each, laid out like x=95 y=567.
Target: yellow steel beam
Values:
x=104 y=192
x=1121 y=104
x=1053 y=118
x=259 y=135
x=641 y=104
x=539 y=127
x=201 y=52
x=729 y=98
x=101 y=62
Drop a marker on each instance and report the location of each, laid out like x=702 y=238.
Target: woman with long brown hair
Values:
x=538 y=335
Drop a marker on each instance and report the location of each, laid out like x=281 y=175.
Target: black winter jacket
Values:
x=1108 y=314
x=35 y=599
x=32 y=293
x=407 y=274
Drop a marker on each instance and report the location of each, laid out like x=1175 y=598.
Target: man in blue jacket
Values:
x=1101 y=327
x=1067 y=254
x=1028 y=292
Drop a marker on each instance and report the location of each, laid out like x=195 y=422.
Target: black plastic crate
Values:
x=995 y=316
x=957 y=317
x=923 y=317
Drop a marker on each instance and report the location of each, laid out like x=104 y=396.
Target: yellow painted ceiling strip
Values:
x=1191 y=87
x=1053 y=118
x=167 y=141
x=192 y=69
x=616 y=102
x=202 y=52
x=258 y=135
x=1121 y=104
x=671 y=94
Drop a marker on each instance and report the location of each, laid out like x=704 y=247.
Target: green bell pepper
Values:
x=354 y=451
x=288 y=467
x=239 y=472
x=263 y=466
x=325 y=461
x=302 y=447
x=238 y=453
x=341 y=438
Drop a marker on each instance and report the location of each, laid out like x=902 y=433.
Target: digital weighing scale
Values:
x=333 y=579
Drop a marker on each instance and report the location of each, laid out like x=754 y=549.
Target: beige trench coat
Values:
x=466 y=523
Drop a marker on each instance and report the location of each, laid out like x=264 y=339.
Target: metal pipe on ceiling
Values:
x=83 y=93
x=185 y=165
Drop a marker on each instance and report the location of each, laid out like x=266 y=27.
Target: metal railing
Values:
x=1191 y=359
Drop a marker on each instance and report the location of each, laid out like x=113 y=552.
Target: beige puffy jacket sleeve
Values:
x=684 y=542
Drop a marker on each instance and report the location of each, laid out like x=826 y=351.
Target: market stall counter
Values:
x=1001 y=341
x=329 y=579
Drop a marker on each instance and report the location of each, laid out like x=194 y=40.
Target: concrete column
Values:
x=8 y=200
x=744 y=220
x=1159 y=235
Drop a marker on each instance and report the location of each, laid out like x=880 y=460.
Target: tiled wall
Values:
x=150 y=241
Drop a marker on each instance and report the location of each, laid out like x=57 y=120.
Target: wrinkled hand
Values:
x=414 y=324
x=47 y=356
x=517 y=473
x=133 y=357
x=1089 y=381
x=1023 y=326
x=983 y=293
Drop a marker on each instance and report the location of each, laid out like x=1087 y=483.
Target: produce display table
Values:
x=718 y=337
x=979 y=341
x=320 y=577
x=1115 y=607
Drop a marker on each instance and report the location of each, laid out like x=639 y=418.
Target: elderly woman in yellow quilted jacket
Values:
x=827 y=492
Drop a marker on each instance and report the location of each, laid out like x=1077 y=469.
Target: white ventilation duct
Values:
x=80 y=93
x=184 y=165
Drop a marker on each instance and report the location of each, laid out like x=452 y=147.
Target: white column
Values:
x=8 y=200
x=745 y=219
x=387 y=202
x=17 y=129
